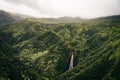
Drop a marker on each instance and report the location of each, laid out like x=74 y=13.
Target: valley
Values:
x=41 y=49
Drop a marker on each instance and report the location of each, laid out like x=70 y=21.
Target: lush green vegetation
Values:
x=32 y=49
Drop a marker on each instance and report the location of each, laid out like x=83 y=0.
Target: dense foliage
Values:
x=34 y=50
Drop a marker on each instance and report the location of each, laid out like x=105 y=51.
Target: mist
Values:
x=60 y=8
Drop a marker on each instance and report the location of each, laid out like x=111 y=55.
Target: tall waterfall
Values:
x=71 y=62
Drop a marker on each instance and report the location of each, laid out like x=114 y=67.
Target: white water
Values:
x=71 y=62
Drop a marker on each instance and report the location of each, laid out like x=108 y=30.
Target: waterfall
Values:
x=71 y=62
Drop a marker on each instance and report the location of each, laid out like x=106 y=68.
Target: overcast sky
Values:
x=59 y=8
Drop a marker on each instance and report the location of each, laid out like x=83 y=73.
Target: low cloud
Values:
x=58 y=8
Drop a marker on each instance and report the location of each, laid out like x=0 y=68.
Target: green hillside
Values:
x=6 y=17
x=43 y=50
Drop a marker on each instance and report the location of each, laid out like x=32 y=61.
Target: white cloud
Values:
x=19 y=8
x=57 y=8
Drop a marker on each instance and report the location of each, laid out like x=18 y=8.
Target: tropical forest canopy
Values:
x=39 y=48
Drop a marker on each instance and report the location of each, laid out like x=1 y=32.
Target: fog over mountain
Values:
x=60 y=8
x=71 y=47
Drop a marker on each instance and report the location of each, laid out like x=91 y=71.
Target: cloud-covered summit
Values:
x=59 y=8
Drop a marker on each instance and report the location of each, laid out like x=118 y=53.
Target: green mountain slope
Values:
x=6 y=17
x=45 y=49
x=11 y=68
x=100 y=59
